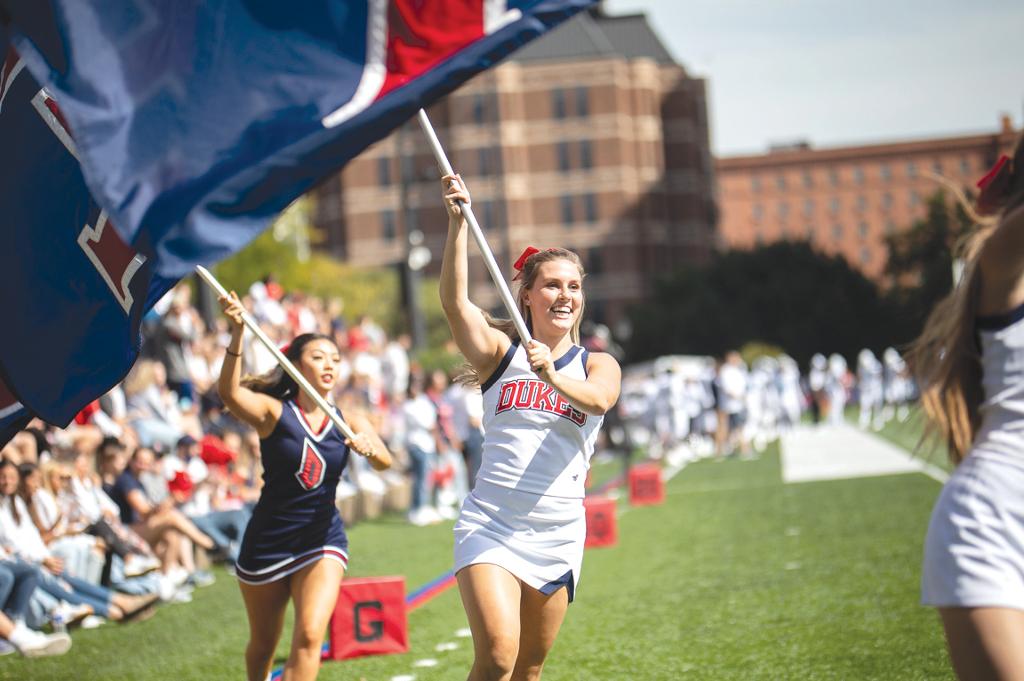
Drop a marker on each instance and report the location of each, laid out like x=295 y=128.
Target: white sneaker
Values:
x=182 y=596
x=166 y=588
x=446 y=513
x=70 y=615
x=93 y=622
x=32 y=643
x=178 y=575
x=424 y=515
x=136 y=565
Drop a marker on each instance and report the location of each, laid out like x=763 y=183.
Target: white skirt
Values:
x=974 y=551
x=537 y=538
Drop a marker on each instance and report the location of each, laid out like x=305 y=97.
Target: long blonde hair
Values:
x=526 y=278
x=946 y=358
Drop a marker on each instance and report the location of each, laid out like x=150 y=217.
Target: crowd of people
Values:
x=122 y=510
x=700 y=407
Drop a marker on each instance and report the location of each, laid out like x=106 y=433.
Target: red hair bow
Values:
x=521 y=262
x=992 y=188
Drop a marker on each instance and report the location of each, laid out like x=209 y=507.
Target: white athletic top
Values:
x=1002 y=358
x=534 y=440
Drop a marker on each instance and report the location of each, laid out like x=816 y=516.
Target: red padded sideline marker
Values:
x=369 y=618
x=646 y=486
x=601 y=526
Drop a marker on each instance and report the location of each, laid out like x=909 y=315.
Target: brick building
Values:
x=845 y=200
x=592 y=137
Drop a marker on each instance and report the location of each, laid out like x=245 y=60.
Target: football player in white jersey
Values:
x=519 y=537
x=970 y=365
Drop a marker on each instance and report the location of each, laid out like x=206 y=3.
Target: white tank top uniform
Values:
x=974 y=551
x=525 y=512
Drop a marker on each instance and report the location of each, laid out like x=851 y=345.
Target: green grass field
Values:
x=735 y=576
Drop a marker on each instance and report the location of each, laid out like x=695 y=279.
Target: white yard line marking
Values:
x=425 y=662
x=444 y=647
x=837 y=452
x=404 y=677
x=465 y=632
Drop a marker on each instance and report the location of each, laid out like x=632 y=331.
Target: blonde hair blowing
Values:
x=945 y=357
x=526 y=279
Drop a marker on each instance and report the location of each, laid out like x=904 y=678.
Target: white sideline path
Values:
x=837 y=452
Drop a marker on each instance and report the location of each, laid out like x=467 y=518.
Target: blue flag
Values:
x=143 y=137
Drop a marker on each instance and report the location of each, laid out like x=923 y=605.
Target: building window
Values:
x=886 y=201
x=865 y=256
x=388 y=228
x=890 y=227
x=783 y=210
x=858 y=175
x=582 y=102
x=755 y=183
x=915 y=198
x=862 y=229
x=595 y=263
x=384 y=171
x=479 y=104
x=590 y=208
x=567 y=214
x=862 y=204
x=834 y=205
x=483 y=155
x=563 y=157
x=808 y=179
x=965 y=166
x=486 y=209
x=809 y=233
x=833 y=177
x=911 y=169
x=937 y=167
x=758 y=212
x=809 y=208
x=586 y=155
x=885 y=172
x=558 y=103
x=837 y=232
x=780 y=182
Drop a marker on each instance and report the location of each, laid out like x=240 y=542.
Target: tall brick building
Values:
x=846 y=200
x=591 y=137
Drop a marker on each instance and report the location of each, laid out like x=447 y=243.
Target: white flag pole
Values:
x=289 y=368
x=478 y=235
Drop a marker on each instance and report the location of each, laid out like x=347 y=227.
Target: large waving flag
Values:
x=143 y=137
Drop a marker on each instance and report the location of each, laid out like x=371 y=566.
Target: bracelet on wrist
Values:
x=233 y=354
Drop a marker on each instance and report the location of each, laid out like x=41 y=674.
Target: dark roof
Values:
x=589 y=35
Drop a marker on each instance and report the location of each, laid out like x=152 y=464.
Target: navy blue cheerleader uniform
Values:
x=295 y=522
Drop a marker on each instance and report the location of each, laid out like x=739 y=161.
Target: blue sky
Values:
x=835 y=73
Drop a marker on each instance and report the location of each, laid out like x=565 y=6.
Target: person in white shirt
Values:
x=519 y=537
x=421 y=438
x=969 y=361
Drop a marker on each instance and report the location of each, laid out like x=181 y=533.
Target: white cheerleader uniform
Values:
x=974 y=551
x=525 y=512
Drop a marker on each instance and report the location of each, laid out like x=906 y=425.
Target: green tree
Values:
x=785 y=294
x=920 y=264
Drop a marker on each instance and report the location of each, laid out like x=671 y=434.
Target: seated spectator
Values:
x=87 y=508
x=20 y=538
x=83 y=554
x=152 y=408
x=161 y=525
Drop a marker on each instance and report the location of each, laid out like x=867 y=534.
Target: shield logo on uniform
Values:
x=312 y=468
